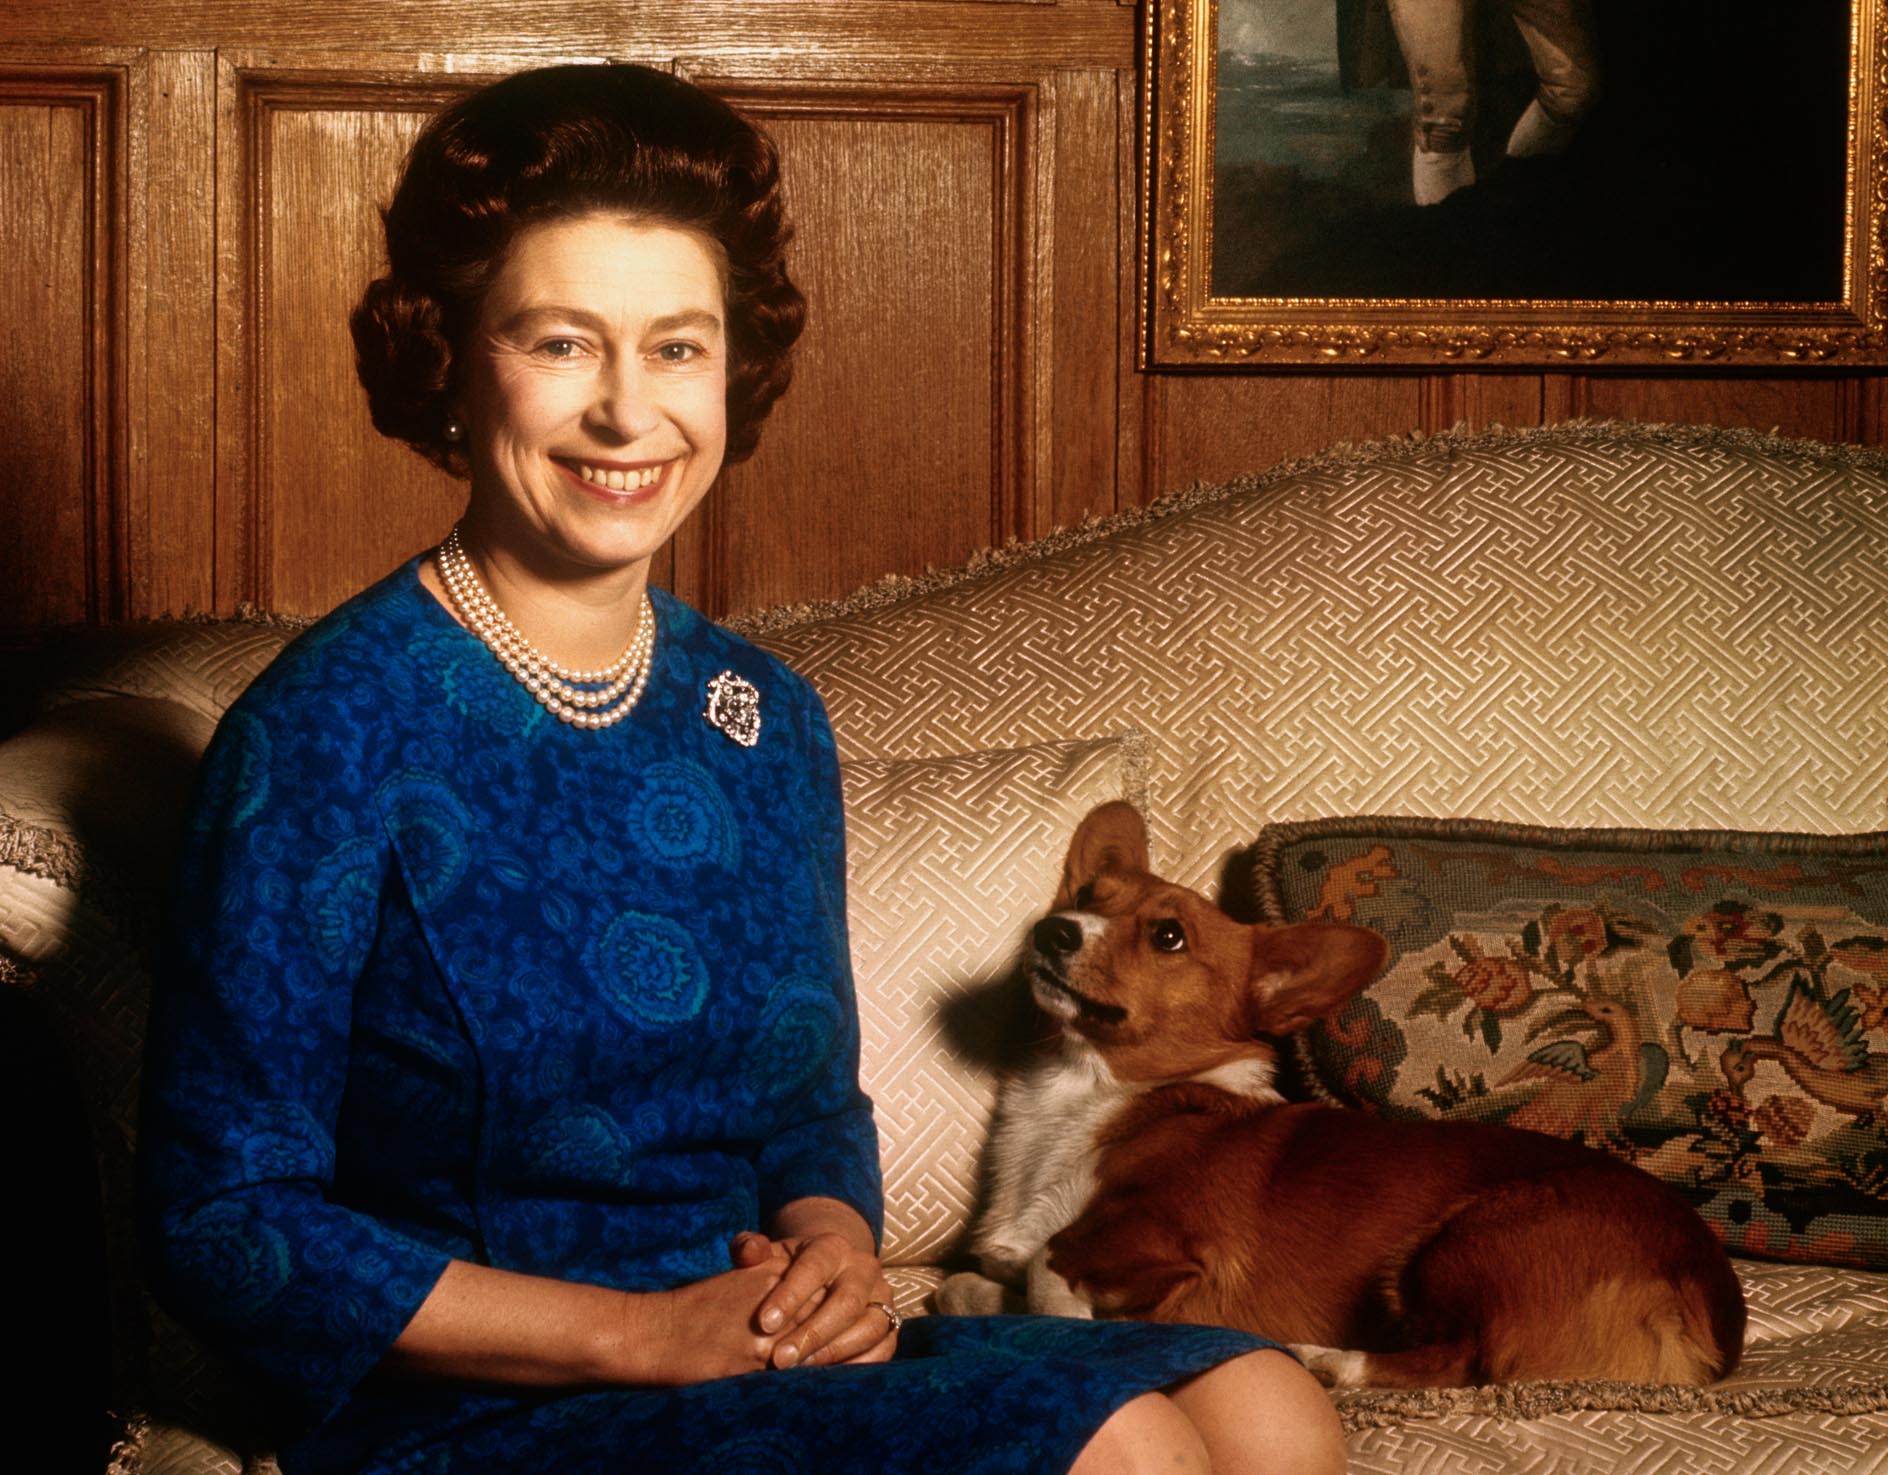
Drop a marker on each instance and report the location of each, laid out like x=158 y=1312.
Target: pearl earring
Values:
x=454 y=432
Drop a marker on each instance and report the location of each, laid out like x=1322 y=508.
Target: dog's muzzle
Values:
x=1057 y=939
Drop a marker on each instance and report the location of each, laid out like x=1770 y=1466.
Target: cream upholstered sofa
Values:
x=1598 y=624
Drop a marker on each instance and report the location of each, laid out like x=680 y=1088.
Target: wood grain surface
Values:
x=188 y=198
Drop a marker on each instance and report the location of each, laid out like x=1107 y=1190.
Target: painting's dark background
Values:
x=1712 y=169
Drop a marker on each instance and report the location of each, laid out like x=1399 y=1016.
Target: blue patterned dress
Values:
x=451 y=979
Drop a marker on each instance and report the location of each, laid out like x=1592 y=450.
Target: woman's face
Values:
x=593 y=392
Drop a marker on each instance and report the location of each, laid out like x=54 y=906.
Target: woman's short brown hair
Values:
x=552 y=143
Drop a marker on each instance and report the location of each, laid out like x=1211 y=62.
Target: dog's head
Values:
x=1162 y=983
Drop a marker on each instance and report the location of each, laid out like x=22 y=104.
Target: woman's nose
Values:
x=624 y=405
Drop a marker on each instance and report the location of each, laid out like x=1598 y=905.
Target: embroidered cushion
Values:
x=1711 y=1006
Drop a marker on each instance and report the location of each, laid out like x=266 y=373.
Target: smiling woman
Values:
x=502 y=1094
x=591 y=397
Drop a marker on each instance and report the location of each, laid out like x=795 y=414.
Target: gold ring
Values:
x=891 y=1314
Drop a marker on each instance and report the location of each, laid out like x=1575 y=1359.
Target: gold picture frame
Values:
x=1828 y=306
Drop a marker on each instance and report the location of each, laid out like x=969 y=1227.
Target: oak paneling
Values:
x=1480 y=400
x=61 y=456
x=331 y=505
x=1207 y=427
x=187 y=198
x=1806 y=405
x=761 y=38
x=171 y=327
x=1082 y=418
x=901 y=442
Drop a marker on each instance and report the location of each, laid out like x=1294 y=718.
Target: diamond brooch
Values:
x=734 y=707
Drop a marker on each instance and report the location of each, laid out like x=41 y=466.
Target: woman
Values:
x=503 y=1103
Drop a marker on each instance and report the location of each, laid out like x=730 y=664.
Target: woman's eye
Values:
x=1168 y=936
x=678 y=353
x=560 y=348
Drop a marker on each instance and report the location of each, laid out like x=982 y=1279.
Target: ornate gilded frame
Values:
x=1184 y=325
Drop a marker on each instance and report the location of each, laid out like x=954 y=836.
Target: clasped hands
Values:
x=791 y=1301
x=820 y=1311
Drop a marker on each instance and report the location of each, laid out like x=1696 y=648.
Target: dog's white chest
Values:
x=1043 y=1156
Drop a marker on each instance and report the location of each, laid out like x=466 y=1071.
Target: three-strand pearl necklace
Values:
x=581 y=698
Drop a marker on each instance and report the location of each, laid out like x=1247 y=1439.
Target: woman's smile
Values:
x=594 y=395
x=604 y=477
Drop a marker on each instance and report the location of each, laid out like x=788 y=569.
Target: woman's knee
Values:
x=1144 y=1435
x=1263 y=1414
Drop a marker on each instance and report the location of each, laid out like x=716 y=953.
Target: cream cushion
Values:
x=948 y=862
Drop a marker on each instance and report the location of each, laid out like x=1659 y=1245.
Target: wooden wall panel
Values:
x=332 y=505
x=899 y=444
x=1480 y=400
x=171 y=336
x=1805 y=405
x=186 y=200
x=1082 y=417
x=1207 y=427
x=759 y=38
x=60 y=458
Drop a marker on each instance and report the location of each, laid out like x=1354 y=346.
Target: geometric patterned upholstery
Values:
x=202 y=665
x=1586 y=625
x=948 y=862
x=1604 y=624
x=1599 y=1442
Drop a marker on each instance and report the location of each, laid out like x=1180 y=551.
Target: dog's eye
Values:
x=1168 y=936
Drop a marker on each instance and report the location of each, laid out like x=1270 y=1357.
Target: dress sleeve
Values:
x=831 y=1149
x=277 y=902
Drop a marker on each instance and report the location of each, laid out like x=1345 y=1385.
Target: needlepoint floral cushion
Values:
x=1712 y=1006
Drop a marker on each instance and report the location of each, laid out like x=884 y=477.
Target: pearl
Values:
x=553 y=686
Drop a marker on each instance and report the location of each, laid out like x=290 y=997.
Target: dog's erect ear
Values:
x=1112 y=837
x=1304 y=971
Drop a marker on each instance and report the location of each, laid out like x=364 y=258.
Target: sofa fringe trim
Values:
x=896 y=588
x=127 y=1452
x=41 y=852
x=59 y=858
x=1366 y=1409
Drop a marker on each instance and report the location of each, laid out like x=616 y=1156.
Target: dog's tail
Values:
x=1652 y=1331
x=1595 y=1271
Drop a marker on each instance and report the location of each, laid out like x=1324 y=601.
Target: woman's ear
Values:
x=1112 y=838
x=1304 y=971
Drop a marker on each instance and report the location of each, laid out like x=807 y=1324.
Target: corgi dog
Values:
x=1145 y=1166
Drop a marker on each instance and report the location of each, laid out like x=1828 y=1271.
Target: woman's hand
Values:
x=711 y=1329
x=498 y=1326
x=821 y=1310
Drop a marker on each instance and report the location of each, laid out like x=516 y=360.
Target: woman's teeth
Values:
x=620 y=481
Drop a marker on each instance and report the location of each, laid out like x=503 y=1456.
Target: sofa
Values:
x=1553 y=649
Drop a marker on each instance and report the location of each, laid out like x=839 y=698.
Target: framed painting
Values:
x=1516 y=183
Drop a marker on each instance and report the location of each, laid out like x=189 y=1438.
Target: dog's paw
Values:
x=970 y=1294
x=1048 y=1294
x=1331 y=1366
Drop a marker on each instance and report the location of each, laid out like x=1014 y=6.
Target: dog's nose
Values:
x=1057 y=936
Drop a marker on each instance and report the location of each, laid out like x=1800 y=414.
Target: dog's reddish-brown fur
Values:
x=1442 y=1253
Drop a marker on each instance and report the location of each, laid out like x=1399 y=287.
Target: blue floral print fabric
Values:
x=451 y=979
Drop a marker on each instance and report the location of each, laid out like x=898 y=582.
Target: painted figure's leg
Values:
x=1559 y=37
x=1434 y=37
